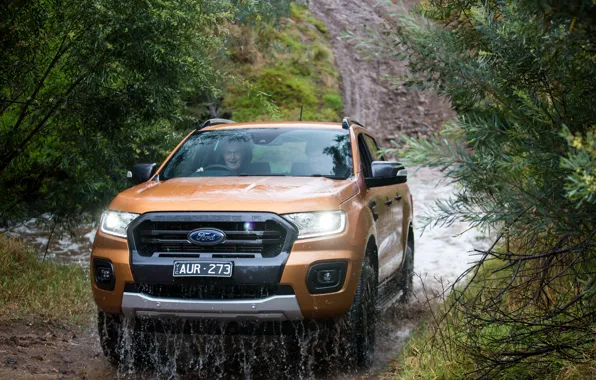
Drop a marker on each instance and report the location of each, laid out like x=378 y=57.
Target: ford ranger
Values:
x=265 y=222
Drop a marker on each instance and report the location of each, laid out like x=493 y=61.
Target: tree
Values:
x=89 y=87
x=521 y=76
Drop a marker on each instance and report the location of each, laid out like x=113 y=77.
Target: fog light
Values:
x=103 y=274
x=326 y=277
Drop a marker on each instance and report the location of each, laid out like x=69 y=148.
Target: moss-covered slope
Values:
x=276 y=69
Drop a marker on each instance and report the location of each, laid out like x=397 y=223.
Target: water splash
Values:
x=184 y=349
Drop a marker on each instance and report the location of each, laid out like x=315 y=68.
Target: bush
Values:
x=521 y=76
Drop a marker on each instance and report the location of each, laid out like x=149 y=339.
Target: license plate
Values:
x=202 y=269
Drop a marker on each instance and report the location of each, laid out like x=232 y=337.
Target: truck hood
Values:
x=279 y=195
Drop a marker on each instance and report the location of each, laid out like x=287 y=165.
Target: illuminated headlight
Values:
x=116 y=222
x=313 y=224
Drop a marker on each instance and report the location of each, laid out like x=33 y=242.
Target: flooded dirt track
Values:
x=45 y=351
x=49 y=352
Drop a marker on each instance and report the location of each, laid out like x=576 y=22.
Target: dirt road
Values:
x=369 y=96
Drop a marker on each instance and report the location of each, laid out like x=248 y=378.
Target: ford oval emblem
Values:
x=206 y=236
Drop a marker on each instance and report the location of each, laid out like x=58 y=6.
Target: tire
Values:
x=362 y=318
x=120 y=343
x=109 y=328
x=406 y=282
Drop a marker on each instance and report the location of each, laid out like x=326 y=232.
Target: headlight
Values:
x=313 y=224
x=116 y=222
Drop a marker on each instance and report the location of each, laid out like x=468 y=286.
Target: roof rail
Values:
x=210 y=122
x=348 y=121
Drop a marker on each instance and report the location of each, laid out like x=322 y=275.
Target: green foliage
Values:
x=30 y=288
x=288 y=66
x=253 y=104
x=301 y=14
x=287 y=88
x=581 y=162
x=521 y=76
x=334 y=101
x=87 y=88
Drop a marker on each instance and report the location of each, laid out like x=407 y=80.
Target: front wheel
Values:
x=360 y=322
x=120 y=342
x=109 y=328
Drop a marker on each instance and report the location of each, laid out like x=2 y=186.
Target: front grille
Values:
x=168 y=238
x=209 y=291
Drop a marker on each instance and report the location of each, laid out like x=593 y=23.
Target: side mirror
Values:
x=385 y=173
x=141 y=173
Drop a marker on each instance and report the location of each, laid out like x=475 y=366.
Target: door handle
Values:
x=372 y=205
x=398 y=197
x=388 y=202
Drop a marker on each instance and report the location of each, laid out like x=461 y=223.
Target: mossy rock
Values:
x=287 y=89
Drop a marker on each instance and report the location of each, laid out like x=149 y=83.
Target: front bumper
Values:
x=275 y=308
x=300 y=255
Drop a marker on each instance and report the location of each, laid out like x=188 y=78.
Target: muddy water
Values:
x=61 y=245
x=318 y=354
x=293 y=355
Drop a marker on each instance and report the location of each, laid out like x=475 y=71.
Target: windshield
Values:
x=263 y=152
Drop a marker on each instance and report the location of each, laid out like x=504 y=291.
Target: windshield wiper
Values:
x=327 y=176
x=261 y=175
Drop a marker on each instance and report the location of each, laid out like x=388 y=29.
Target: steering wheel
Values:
x=218 y=167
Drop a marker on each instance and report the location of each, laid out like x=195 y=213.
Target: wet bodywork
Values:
x=271 y=284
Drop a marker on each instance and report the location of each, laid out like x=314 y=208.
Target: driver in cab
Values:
x=235 y=156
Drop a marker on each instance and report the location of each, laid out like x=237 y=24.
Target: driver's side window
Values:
x=373 y=148
x=366 y=157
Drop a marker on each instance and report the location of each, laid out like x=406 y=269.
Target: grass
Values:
x=434 y=351
x=276 y=69
x=421 y=360
x=31 y=289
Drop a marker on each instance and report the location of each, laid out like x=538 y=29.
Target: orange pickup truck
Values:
x=266 y=222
